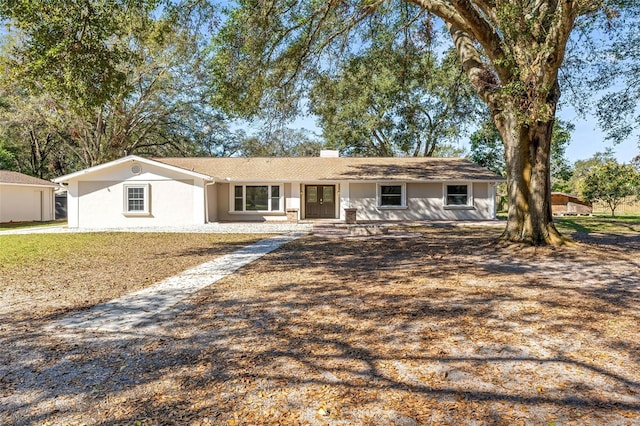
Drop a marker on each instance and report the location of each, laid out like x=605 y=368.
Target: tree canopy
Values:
x=79 y=51
x=395 y=101
x=267 y=52
x=611 y=183
x=143 y=89
x=84 y=82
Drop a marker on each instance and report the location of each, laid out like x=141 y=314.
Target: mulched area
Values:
x=447 y=328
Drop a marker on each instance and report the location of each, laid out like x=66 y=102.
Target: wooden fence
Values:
x=629 y=207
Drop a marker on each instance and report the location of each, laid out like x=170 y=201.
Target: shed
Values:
x=569 y=204
x=25 y=198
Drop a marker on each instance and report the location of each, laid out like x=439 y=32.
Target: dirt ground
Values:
x=56 y=273
x=445 y=328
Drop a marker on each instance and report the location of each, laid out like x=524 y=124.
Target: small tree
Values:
x=611 y=183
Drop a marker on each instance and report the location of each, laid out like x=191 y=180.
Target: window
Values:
x=275 y=198
x=391 y=195
x=458 y=195
x=136 y=199
x=238 y=198
x=257 y=198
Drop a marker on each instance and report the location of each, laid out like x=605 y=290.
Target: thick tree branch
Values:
x=480 y=76
x=553 y=50
x=486 y=34
x=488 y=7
x=464 y=16
x=443 y=9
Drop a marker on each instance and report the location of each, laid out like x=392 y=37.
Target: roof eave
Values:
x=130 y=158
x=38 y=185
x=359 y=180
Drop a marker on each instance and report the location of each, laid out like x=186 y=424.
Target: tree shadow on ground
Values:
x=447 y=328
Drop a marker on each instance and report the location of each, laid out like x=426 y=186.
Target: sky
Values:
x=588 y=138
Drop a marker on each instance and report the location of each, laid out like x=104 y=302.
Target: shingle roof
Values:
x=327 y=169
x=15 y=178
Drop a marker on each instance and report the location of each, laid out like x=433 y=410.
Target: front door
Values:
x=320 y=201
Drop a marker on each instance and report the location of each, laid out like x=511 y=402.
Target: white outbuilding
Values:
x=25 y=198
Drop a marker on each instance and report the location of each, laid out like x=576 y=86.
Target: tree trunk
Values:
x=527 y=148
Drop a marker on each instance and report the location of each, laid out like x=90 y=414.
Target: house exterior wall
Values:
x=578 y=208
x=565 y=204
x=97 y=200
x=571 y=208
x=224 y=214
x=212 y=200
x=424 y=201
x=26 y=203
x=181 y=196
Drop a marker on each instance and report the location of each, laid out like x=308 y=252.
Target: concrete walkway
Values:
x=145 y=310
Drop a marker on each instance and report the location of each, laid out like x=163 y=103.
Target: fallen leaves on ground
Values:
x=448 y=328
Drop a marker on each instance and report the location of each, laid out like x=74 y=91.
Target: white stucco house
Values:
x=134 y=191
x=25 y=198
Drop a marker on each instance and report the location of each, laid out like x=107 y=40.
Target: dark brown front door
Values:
x=320 y=201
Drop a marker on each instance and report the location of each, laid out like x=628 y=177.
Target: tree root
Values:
x=551 y=238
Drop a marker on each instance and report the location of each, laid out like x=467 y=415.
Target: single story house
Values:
x=569 y=204
x=136 y=191
x=25 y=198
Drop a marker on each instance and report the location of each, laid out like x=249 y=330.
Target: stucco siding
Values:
x=23 y=203
x=482 y=201
x=424 y=201
x=212 y=203
x=101 y=204
x=225 y=215
x=167 y=195
x=97 y=200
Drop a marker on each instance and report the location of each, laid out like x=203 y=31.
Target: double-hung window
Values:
x=392 y=195
x=458 y=195
x=258 y=198
x=136 y=199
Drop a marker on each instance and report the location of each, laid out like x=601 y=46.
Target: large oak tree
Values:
x=510 y=50
x=87 y=82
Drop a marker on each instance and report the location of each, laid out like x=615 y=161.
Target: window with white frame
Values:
x=458 y=195
x=392 y=195
x=136 y=199
x=258 y=198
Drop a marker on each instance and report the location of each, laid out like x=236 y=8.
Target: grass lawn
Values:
x=24 y=225
x=605 y=224
x=599 y=224
x=448 y=327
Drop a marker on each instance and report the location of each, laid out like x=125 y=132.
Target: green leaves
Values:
x=89 y=81
x=611 y=183
x=486 y=148
x=80 y=50
x=394 y=99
